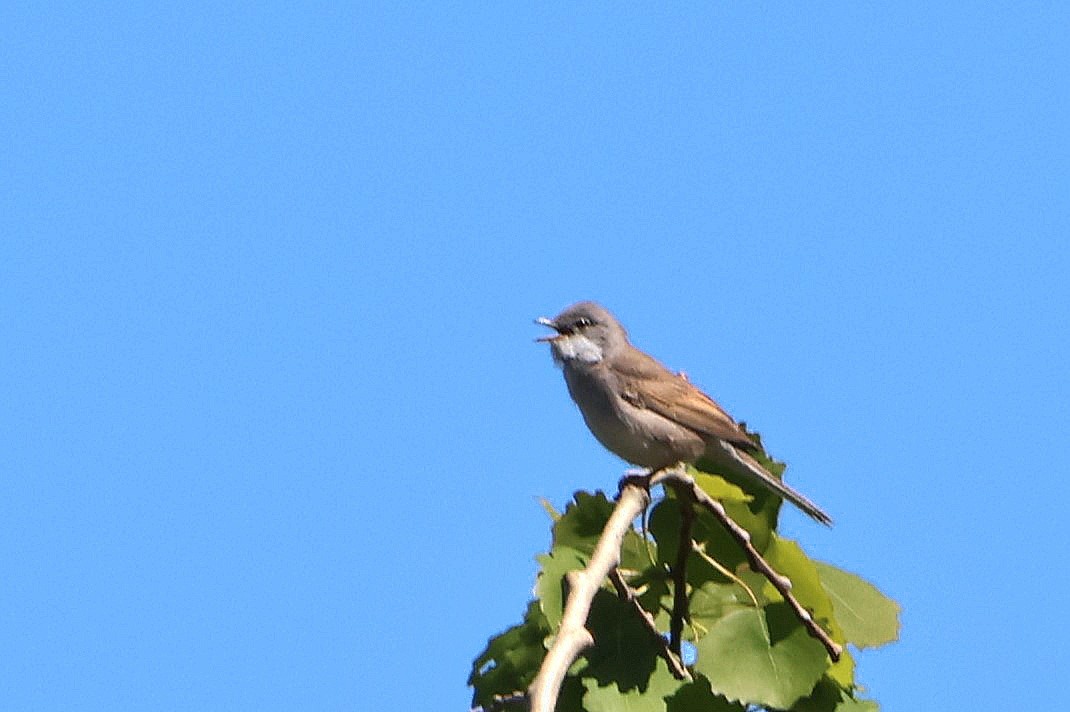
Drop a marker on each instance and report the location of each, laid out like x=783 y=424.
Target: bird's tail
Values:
x=751 y=467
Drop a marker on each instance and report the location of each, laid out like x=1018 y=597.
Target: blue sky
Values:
x=275 y=427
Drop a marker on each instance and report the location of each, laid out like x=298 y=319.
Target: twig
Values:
x=572 y=637
x=742 y=537
x=679 y=571
x=700 y=549
x=627 y=594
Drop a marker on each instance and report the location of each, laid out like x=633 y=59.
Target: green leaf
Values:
x=624 y=651
x=581 y=526
x=655 y=595
x=697 y=695
x=842 y=672
x=829 y=697
x=719 y=488
x=743 y=663
x=570 y=699
x=610 y=698
x=511 y=659
x=583 y=521
x=664 y=526
x=710 y=602
x=636 y=554
x=867 y=617
x=706 y=530
x=550 y=588
x=787 y=558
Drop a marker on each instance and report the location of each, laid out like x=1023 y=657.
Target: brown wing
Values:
x=645 y=383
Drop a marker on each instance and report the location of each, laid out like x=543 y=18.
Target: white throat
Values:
x=576 y=347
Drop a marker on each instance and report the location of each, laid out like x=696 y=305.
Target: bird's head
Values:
x=586 y=333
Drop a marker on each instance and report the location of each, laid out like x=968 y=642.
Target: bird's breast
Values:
x=637 y=435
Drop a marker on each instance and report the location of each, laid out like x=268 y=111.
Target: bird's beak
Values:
x=550 y=323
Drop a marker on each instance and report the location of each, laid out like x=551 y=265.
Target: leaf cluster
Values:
x=744 y=647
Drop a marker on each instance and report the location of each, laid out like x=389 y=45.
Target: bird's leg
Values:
x=643 y=476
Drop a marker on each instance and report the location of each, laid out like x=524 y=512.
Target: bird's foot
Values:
x=638 y=476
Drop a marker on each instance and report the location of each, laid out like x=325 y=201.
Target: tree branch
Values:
x=742 y=537
x=679 y=570
x=573 y=637
x=627 y=594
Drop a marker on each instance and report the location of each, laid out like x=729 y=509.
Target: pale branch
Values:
x=742 y=537
x=573 y=637
x=679 y=571
x=627 y=594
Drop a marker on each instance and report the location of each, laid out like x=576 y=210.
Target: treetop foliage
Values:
x=744 y=646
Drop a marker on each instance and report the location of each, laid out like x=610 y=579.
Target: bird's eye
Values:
x=583 y=322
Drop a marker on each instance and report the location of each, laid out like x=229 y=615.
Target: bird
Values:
x=646 y=414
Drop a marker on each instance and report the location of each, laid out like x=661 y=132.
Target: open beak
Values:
x=550 y=323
